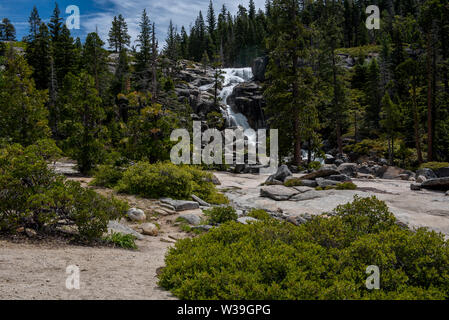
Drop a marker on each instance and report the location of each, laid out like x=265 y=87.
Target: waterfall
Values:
x=231 y=78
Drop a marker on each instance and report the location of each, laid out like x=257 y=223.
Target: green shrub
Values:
x=220 y=214
x=368 y=147
x=259 y=214
x=295 y=182
x=346 y=186
x=169 y=180
x=325 y=258
x=156 y=181
x=339 y=186
x=314 y=165
x=434 y=165
x=107 y=176
x=33 y=196
x=126 y=241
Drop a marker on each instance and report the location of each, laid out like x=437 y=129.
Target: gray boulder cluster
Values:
x=327 y=175
x=432 y=180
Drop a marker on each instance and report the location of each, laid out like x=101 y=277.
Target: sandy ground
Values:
x=38 y=271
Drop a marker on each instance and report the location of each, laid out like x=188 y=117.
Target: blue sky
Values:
x=99 y=13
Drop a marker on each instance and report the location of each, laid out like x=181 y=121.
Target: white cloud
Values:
x=182 y=12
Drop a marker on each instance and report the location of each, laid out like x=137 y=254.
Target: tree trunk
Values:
x=392 y=150
x=429 y=103
x=416 y=123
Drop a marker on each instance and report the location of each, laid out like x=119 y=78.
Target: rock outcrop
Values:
x=247 y=99
x=259 y=68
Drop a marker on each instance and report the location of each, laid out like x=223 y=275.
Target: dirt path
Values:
x=37 y=270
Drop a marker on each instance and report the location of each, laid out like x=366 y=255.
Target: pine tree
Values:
x=211 y=21
x=171 y=49
x=23 y=116
x=7 y=30
x=184 y=44
x=55 y=25
x=38 y=56
x=154 y=56
x=143 y=56
x=35 y=24
x=95 y=60
x=83 y=125
x=373 y=94
x=119 y=38
x=390 y=122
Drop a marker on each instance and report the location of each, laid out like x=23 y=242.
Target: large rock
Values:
x=272 y=181
x=340 y=178
x=309 y=195
x=259 y=68
x=323 y=183
x=303 y=189
x=278 y=193
x=415 y=187
x=442 y=172
x=191 y=218
x=393 y=173
x=135 y=214
x=427 y=173
x=325 y=171
x=281 y=174
x=309 y=183
x=421 y=179
x=200 y=201
x=349 y=169
x=437 y=184
x=115 y=226
x=149 y=229
x=181 y=205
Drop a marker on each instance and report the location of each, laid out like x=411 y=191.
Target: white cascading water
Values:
x=231 y=78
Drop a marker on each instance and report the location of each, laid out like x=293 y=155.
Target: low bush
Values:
x=434 y=165
x=169 y=180
x=259 y=214
x=325 y=258
x=295 y=182
x=368 y=147
x=107 y=176
x=33 y=196
x=125 y=241
x=220 y=214
x=346 y=186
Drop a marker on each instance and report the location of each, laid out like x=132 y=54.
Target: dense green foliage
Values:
x=435 y=165
x=33 y=196
x=218 y=215
x=325 y=258
x=164 y=179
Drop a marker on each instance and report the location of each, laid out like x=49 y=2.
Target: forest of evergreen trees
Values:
x=395 y=99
